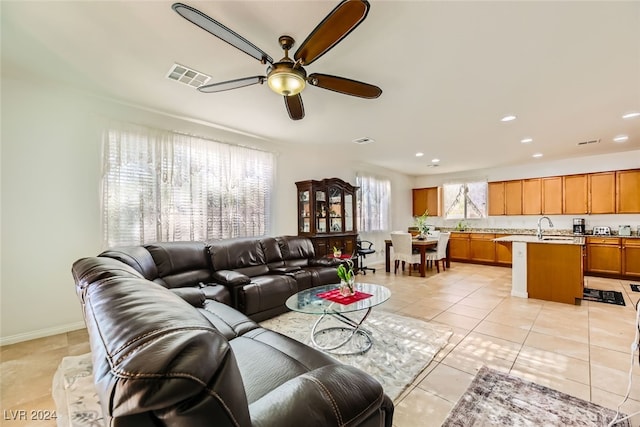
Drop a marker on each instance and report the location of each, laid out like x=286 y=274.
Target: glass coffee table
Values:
x=350 y=337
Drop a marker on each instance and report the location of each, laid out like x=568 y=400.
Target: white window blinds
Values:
x=164 y=186
x=373 y=203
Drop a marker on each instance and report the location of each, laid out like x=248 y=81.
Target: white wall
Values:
x=600 y=163
x=50 y=178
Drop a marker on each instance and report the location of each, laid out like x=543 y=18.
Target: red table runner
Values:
x=335 y=296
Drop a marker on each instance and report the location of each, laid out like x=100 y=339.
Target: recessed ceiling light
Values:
x=621 y=138
x=363 y=140
x=435 y=160
x=508 y=118
x=537 y=155
x=631 y=115
x=526 y=140
x=419 y=154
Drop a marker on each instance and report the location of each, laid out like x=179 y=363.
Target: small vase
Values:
x=347 y=288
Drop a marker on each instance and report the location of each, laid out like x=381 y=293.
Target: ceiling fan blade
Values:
x=336 y=26
x=217 y=29
x=232 y=84
x=343 y=85
x=294 y=106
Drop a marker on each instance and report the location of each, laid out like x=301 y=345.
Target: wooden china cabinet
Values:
x=327 y=214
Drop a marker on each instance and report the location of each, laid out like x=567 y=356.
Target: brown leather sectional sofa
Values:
x=175 y=353
x=253 y=275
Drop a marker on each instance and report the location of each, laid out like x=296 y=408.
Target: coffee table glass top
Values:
x=309 y=302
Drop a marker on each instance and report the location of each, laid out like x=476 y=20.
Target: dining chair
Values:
x=440 y=252
x=403 y=251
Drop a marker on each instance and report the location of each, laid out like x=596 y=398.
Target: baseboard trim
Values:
x=40 y=333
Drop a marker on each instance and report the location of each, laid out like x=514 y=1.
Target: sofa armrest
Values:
x=332 y=395
x=230 y=278
x=325 y=262
x=284 y=270
x=193 y=296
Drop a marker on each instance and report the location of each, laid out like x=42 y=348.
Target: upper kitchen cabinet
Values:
x=575 y=200
x=552 y=195
x=496 y=198
x=426 y=199
x=532 y=196
x=513 y=197
x=628 y=191
x=602 y=193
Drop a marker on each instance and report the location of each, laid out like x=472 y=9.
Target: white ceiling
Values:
x=448 y=70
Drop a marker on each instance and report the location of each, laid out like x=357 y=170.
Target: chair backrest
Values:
x=443 y=241
x=401 y=242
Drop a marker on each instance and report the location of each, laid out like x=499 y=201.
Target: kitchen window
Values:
x=465 y=200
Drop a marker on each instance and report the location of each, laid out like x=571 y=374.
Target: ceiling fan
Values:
x=287 y=77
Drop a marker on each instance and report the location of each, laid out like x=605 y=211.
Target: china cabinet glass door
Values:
x=321 y=212
x=304 y=209
x=348 y=212
x=335 y=209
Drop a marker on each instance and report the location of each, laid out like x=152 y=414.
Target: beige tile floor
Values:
x=580 y=350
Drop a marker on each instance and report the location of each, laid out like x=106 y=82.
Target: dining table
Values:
x=422 y=246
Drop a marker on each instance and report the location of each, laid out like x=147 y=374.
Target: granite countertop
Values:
x=533 y=231
x=556 y=240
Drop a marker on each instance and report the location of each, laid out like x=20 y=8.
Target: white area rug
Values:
x=76 y=399
x=402 y=346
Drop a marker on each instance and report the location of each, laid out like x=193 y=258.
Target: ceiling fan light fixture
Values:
x=285 y=80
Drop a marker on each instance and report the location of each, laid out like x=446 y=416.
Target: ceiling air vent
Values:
x=593 y=141
x=363 y=140
x=187 y=75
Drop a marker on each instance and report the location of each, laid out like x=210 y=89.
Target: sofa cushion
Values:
x=266 y=292
x=137 y=257
x=244 y=255
x=180 y=263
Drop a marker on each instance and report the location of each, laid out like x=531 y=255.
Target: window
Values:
x=373 y=203
x=164 y=186
x=465 y=201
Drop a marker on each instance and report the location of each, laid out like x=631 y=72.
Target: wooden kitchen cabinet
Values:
x=459 y=246
x=532 y=196
x=552 y=195
x=631 y=257
x=426 y=199
x=513 y=197
x=604 y=255
x=575 y=198
x=602 y=193
x=555 y=272
x=503 y=251
x=482 y=247
x=628 y=191
x=496 y=198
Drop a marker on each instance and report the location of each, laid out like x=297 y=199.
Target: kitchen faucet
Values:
x=539 y=234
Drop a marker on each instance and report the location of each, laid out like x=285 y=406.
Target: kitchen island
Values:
x=551 y=268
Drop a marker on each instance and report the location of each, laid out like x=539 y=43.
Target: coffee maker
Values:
x=578 y=226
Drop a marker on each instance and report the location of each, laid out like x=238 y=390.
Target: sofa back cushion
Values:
x=135 y=256
x=180 y=264
x=272 y=252
x=296 y=250
x=244 y=255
